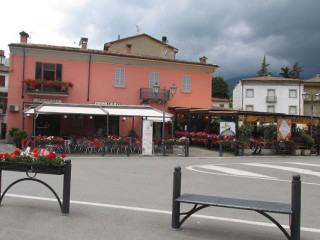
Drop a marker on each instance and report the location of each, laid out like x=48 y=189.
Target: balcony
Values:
x=146 y=94
x=271 y=99
x=51 y=88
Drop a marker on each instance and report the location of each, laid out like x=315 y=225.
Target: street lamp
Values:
x=307 y=96
x=164 y=96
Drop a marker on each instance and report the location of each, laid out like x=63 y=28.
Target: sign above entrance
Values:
x=46 y=100
x=107 y=103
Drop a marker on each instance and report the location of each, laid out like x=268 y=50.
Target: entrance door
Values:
x=48 y=125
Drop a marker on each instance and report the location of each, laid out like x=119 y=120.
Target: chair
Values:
x=283 y=148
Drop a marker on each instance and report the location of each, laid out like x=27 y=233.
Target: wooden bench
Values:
x=262 y=207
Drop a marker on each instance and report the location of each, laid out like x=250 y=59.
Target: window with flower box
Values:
x=48 y=71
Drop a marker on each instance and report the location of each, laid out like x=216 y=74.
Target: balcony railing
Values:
x=44 y=88
x=146 y=94
x=271 y=99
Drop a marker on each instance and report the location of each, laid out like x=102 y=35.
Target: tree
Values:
x=264 y=68
x=220 y=88
x=294 y=73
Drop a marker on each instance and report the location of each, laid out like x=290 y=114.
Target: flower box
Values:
x=32 y=168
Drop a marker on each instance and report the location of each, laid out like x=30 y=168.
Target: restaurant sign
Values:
x=107 y=103
x=46 y=100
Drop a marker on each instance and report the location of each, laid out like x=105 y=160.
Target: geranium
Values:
x=37 y=156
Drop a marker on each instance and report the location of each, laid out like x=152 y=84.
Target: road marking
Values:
x=305 y=164
x=291 y=169
x=150 y=210
x=234 y=172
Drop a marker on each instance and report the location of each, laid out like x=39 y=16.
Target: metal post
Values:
x=163 y=123
x=66 y=187
x=220 y=149
x=296 y=207
x=311 y=118
x=103 y=152
x=175 y=221
x=128 y=149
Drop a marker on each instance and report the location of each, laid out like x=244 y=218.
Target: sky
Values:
x=234 y=34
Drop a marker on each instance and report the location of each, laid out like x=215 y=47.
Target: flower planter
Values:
x=305 y=152
x=297 y=152
x=247 y=151
x=267 y=151
x=31 y=167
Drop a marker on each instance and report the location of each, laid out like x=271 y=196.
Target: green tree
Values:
x=264 y=68
x=220 y=88
x=291 y=73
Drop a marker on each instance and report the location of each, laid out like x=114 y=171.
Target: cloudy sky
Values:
x=234 y=34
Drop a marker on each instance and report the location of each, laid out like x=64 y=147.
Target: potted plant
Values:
x=244 y=136
x=308 y=143
x=269 y=136
x=18 y=135
x=298 y=140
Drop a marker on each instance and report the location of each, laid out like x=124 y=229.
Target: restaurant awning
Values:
x=92 y=109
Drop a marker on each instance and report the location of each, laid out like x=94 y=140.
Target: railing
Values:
x=42 y=89
x=271 y=99
x=147 y=94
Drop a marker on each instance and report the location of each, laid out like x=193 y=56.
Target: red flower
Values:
x=35 y=154
x=35 y=150
x=6 y=154
x=1 y=155
x=13 y=156
x=63 y=155
x=51 y=155
x=17 y=151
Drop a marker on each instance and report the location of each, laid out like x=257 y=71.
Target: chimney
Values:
x=106 y=46
x=2 y=57
x=269 y=74
x=129 y=46
x=83 y=42
x=164 y=39
x=318 y=75
x=24 y=37
x=203 y=60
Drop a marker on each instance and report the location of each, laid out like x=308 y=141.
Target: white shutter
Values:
x=119 y=80
x=186 y=83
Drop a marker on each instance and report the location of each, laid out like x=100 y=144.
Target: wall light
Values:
x=90 y=117
x=124 y=118
x=65 y=116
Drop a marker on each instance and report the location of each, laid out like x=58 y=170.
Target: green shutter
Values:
x=38 y=70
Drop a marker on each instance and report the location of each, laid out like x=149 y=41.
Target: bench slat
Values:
x=273 y=207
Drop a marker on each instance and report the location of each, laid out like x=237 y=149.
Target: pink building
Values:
x=117 y=75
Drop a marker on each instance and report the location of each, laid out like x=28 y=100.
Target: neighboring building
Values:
x=109 y=76
x=143 y=45
x=4 y=76
x=269 y=94
x=220 y=102
x=312 y=86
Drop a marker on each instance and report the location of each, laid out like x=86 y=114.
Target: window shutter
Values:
x=59 y=72
x=119 y=80
x=38 y=70
x=186 y=83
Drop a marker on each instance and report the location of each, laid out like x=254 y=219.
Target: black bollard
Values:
x=296 y=207
x=66 y=187
x=175 y=222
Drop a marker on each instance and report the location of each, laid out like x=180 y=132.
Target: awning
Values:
x=92 y=109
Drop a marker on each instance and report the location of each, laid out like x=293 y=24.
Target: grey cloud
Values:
x=233 y=34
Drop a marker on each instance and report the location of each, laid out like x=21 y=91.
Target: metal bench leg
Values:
x=175 y=222
x=296 y=208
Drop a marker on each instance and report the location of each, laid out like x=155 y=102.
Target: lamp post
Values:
x=164 y=96
x=307 y=96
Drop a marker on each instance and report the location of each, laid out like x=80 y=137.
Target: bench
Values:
x=261 y=207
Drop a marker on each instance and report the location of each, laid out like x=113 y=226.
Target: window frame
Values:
x=271 y=106
x=295 y=93
x=120 y=81
x=247 y=91
x=296 y=110
x=249 y=106
x=186 y=83
x=41 y=68
x=2 y=80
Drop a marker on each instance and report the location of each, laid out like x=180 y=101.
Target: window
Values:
x=249 y=107
x=153 y=79
x=292 y=109
x=2 y=81
x=119 y=80
x=48 y=71
x=186 y=83
x=271 y=108
x=249 y=93
x=292 y=93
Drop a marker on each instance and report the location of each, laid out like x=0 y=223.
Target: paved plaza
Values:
x=130 y=198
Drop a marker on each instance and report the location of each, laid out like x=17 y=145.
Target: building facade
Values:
x=45 y=73
x=4 y=81
x=269 y=94
x=312 y=86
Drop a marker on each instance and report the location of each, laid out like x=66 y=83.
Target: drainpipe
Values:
x=23 y=69
x=88 y=93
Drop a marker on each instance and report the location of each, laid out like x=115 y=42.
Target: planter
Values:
x=267 y=151
x=247 y=151
x=31 y=168
x=305 y=152
x=297 y=152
